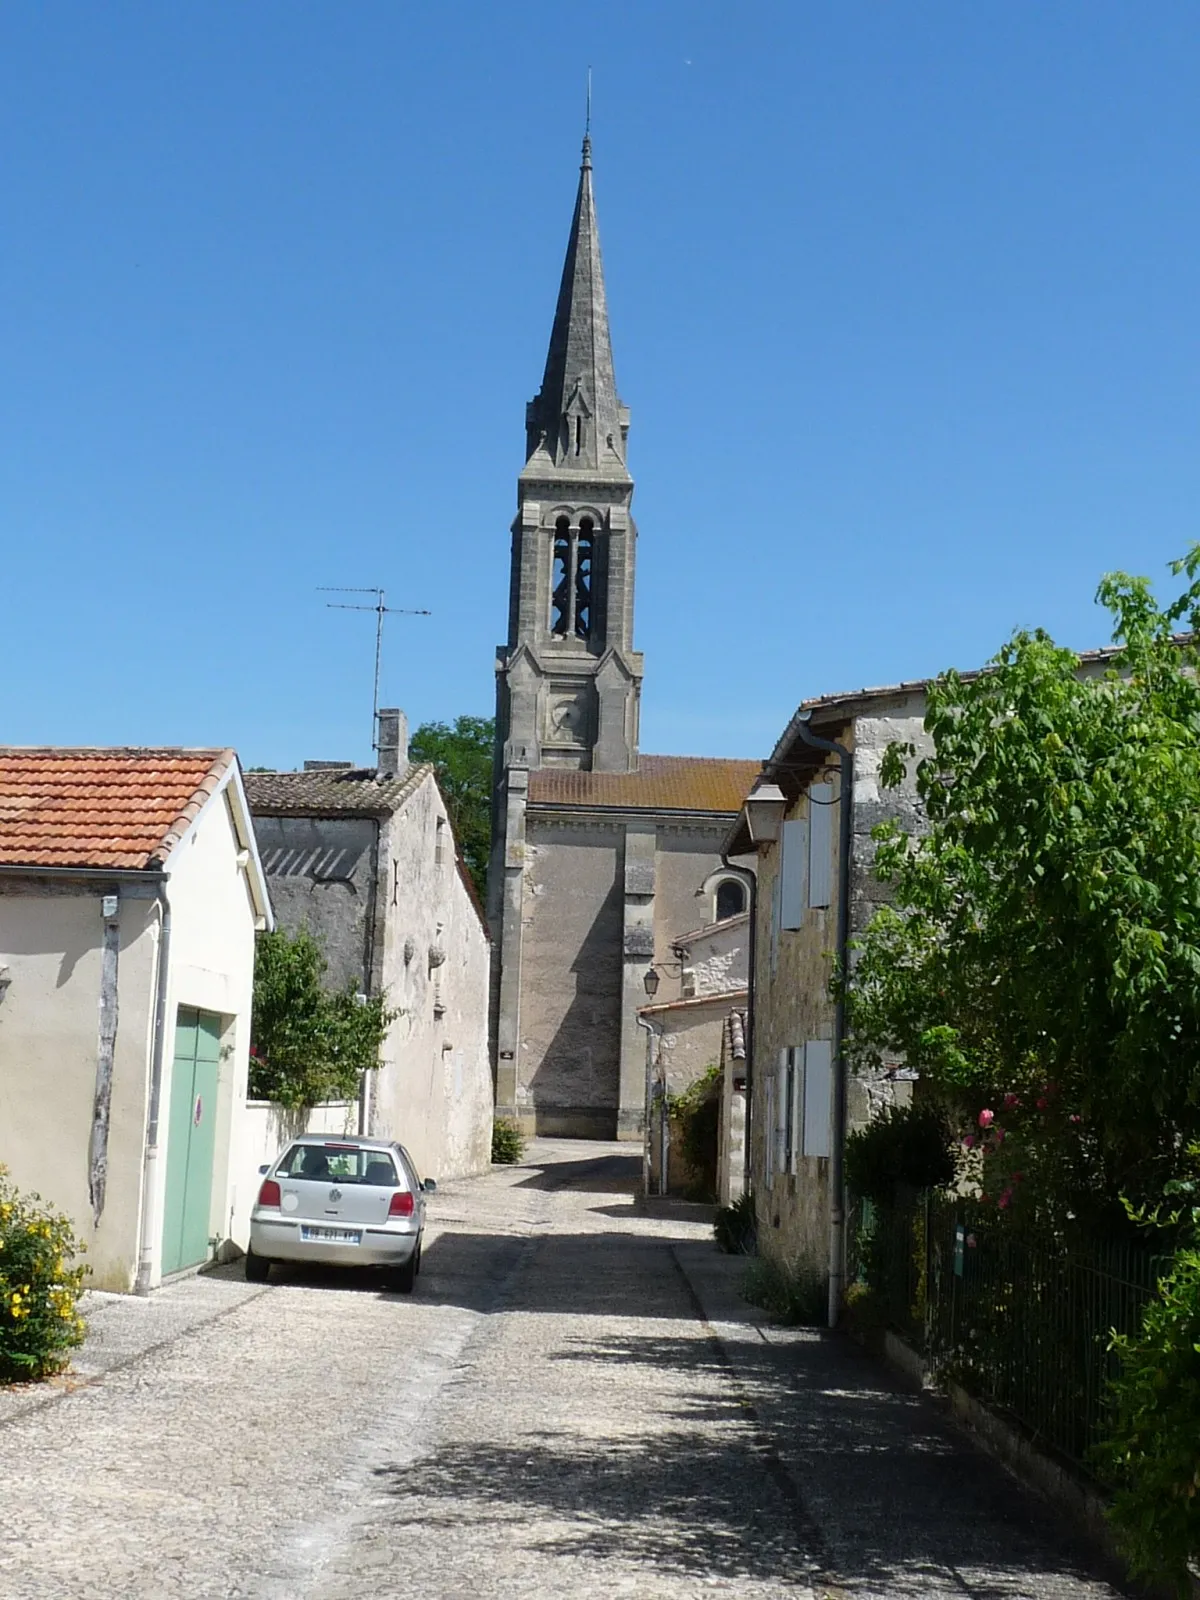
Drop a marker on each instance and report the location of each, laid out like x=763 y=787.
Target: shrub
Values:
x=736 y=1227
x=698 y=1111
x=308 y=1045
x=1150 y=1454
x=507 y=1144
x=906 y=1147
x=795 y=1293
x=39 y=1290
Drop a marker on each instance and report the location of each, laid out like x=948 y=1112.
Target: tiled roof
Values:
x=693 y=1002
x=349 y=791
x=661 y=783
x=101 y=808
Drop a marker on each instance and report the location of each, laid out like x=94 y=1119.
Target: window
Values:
x=439 y=845
x=731 y=899
x=571 y=579
x=560 y=577
x=338 y=1163
x=583 y=579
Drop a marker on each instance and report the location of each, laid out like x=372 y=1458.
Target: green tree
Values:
x=461 y=753
x=1040 y=961
x=309 y=1045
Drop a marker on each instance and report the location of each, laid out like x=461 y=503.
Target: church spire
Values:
x=577 y=421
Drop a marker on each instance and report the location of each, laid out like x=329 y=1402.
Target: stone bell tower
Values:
x=568 y=677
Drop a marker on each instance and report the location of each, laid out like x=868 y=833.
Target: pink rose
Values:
x=1075 y=1118
x=969 y=1142
x=1005 y=1199
x=1011 y=1102
x=986 y=1118
x=1041 y=1105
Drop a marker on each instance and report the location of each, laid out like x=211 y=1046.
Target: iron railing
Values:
x=1022 y=1318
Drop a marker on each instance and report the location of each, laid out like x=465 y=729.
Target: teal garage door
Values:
x=191 y=1139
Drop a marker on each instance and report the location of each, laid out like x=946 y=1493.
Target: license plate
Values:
x=332 y=1235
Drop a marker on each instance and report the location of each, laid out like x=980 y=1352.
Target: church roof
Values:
x=661 y=783
x=332 y=791
x=579 y=381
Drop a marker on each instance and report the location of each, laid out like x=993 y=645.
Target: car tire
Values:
x=404 y=1279
x=258 y=1268
x=420 y=1251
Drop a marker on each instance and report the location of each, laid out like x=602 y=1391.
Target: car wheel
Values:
x=258 y=1268
x=404 y=1279
x=420 y=1251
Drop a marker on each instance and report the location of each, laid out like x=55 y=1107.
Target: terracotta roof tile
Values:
x=661 y=783
x=101 y=808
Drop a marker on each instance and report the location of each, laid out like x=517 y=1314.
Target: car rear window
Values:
x=339 y=1163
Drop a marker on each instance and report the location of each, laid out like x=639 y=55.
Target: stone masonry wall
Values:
x=568 y=1074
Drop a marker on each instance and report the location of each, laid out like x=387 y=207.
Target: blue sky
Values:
x=904 y=303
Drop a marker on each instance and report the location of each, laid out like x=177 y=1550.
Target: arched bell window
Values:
x=571 y=579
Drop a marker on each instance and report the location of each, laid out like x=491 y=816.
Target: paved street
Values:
x=574 y=1403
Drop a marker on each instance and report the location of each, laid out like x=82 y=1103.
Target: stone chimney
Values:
x=393 y=742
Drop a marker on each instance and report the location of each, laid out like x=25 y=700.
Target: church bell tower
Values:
x=568 y=677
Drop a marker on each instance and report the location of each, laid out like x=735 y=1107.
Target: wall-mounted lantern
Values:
x=765 y=807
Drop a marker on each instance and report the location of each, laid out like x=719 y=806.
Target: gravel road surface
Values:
x=575 y=1403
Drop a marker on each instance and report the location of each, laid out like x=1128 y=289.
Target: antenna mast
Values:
x=381 y=610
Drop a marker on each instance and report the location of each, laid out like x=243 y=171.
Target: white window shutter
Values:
x=782 y=1110
x=793 y=873
x=797 y=1059
x=820 y=844
x=818 y=1096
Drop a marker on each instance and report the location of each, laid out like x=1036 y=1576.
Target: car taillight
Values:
x=268 y=1195
x=402 y=1204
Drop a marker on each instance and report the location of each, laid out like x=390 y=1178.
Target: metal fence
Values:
x=1022 y=1318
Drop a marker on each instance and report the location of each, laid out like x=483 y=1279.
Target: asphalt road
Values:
x=574 y=1403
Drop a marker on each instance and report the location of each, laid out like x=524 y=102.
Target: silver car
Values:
x=341 y=1203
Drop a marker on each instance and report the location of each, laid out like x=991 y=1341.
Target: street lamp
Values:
x=651 y=981
x=765 y=807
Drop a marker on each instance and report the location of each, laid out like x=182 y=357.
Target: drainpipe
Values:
x=151 y=1221
x=837 y=1196
x=751 y=963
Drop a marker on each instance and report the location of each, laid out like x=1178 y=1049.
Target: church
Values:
x=603 y=858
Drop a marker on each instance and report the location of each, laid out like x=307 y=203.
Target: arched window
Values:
x=583 y=580
x=560 y=577
x=731 y=899
x=571 y=579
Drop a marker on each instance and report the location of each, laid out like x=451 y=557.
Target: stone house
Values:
x=366 y=860
x=130 y=894
x=814 y=887
x=601 y=856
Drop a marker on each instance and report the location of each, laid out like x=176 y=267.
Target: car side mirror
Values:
x=264 y=1169
x=430 y=1186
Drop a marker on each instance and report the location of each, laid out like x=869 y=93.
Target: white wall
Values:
x=212 y=969
x=433 y=1089
x=262 y=1131
x=50 y=939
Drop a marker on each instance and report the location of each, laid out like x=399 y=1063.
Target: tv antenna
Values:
x=381 y=610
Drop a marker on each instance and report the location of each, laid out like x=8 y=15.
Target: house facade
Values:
x=806 y=874
x=366 y=860
x=130 y=894
x=601 y=855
